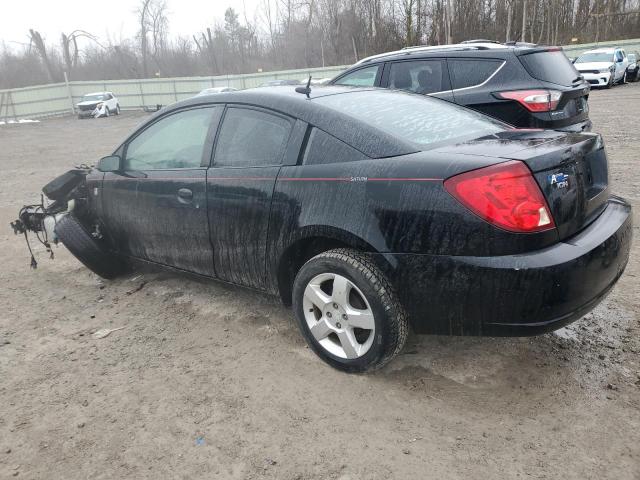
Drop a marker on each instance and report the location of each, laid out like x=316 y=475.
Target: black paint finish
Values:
x=454 y=272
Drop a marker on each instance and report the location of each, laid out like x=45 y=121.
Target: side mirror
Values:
x=109 y=164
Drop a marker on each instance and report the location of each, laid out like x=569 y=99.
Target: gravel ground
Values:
x=210 y=381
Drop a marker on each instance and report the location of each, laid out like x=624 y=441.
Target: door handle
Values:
x=185 y=195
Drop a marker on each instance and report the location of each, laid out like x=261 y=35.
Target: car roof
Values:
x=602 y=50
x=95 y=93
x=475 y=46
x=284 y=99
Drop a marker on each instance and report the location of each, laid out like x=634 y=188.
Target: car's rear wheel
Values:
x=106 y=111
x=117 y=109
x=92 y=252
x=348 y=312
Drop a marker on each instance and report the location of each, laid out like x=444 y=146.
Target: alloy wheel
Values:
x=339 y=316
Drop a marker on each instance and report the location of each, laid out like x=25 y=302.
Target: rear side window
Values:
x=469 y=73
x=364 y=77
x=553 y=67
x=325 y=148
x=419 y=77
x=251 y=138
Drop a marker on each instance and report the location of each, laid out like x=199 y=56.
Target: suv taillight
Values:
x=533 y=100
x=505 y=195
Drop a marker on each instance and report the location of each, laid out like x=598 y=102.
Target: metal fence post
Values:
x=66 y=82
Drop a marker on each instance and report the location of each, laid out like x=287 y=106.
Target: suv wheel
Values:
x=348 y=311
x=117 y=109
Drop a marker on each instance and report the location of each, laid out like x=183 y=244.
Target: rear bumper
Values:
x=578 y=127
x=516 y=295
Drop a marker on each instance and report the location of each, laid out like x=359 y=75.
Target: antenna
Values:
x=305 y=90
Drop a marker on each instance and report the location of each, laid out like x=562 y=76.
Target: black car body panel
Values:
x=509 y=73
x=366 y=189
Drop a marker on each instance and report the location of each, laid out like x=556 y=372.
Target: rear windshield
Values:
x=553 y=67
x=415 y=118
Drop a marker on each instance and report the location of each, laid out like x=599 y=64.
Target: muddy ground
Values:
x=210 y=381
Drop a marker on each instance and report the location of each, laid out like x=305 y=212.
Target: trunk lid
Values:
x=570 y=168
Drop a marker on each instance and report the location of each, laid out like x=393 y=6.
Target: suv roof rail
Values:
x=480 y=40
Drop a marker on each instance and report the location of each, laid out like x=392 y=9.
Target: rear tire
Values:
x=117 y=109
x=91 y=252
x=360 y=325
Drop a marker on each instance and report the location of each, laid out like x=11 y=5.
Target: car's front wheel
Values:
x=117 y=109
x=348 y=312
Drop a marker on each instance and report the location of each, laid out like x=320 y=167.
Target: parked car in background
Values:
x=212 y=90
x=522 y=84
x=99 y=104
x=603 y=67
x=371 y=211
x=633 y=70
x=279 y=83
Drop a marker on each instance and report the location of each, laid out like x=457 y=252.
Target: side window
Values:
x=420 y=76
x=618 y=56
x=325 y=148
x=176 y=141
x=251 y=138
x=108 y=96
x=468 y=73
x=364 y=77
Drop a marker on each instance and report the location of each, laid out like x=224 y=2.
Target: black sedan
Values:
x=370 y=211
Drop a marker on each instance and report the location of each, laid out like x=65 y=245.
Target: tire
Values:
x=117 y=109
x=610 y=83
x=107 y=112
x=366 y=299
x=90 y=251
x=623 y=80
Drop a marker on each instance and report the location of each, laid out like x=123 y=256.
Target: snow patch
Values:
x=23 y=120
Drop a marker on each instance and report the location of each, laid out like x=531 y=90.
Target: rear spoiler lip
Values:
x=538 y=49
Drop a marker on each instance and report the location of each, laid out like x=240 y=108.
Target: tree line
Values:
x=283 y=34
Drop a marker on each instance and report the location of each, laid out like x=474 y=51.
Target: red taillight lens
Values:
x=534 y=100
x=505 y=195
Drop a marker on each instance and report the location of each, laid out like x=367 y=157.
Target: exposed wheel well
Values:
x=297 y=255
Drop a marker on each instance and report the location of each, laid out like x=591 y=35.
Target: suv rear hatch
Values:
x=552 y=67
x=570 y=168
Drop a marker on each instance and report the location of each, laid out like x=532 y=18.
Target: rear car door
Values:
x=251 y=146
x=155 y=209
x=426 y=77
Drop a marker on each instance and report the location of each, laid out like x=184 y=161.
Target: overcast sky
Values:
x=115 y=18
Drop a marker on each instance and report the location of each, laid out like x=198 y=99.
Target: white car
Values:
x=603 y=67
x=98 y=104
x=212 y=90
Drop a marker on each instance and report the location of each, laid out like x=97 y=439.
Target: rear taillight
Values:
x=534 y=100
x=505 y=195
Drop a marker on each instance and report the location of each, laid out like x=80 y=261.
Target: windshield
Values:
x=93 y=98
x=416 y=118
x=595 y=57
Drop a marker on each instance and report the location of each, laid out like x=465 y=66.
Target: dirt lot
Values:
x=210 y=381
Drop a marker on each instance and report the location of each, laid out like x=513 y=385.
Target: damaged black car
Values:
x=370 y=211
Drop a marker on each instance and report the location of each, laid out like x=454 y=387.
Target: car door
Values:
x=251 y=146
x=619 y=64
x=426 y=77
x=155 y=207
